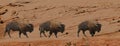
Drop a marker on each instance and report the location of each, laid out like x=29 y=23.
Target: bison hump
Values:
x=54 y=24
x=92 y=23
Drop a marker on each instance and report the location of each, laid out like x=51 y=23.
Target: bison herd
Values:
x=52 y=27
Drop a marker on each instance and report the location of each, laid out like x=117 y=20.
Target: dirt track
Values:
x=69 y=12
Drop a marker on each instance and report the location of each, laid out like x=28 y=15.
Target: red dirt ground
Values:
x=69 y=12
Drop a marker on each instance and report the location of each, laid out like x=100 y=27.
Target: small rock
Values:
x=118 y=21
x=119 y=30
x=66 y=33
x=1 y=22
x=113 y=19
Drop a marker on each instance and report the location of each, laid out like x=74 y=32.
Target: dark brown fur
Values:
x=52 y=27
x=92 y=26
x=17 y=26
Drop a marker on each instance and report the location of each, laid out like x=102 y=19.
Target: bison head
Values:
x=98 y=27
x=62 y=28
x=92 y=32
x=30 y=27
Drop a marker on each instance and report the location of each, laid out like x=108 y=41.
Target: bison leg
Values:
x=5 y=33
x=43 y=33
x=55 y=34
x=9 y=34
x=84 y=33
x=20 y=34
x=78 y=32
x=50 y=33
x=25 y=34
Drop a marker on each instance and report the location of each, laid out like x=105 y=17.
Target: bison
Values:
x=91 y=26
x=17 y=26
x=52 y=27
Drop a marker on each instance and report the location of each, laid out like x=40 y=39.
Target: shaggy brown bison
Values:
x=52 y=27
x=17 y=26
x=92 y=26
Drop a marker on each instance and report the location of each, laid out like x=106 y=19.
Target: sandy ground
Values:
x=69 y=12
